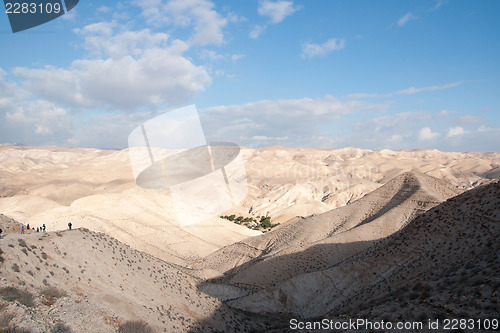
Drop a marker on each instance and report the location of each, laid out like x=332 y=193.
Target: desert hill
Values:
x=95 y=189
x=8 y=225
x=309 y=181
x=364 y=233
x=286 y=251
x=443 y=263
x=81 y=281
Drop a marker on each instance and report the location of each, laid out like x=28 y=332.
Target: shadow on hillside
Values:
x=315 y=258
x=320 y=256
x=455 y=267
x=226 y=319
x=404 y=193
x=270 y=271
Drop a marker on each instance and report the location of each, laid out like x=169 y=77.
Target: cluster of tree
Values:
x=261 y=221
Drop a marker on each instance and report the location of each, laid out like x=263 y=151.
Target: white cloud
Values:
x=97 y=29
x=70 y=16
x=200 y=15
x=361 y=95
x=310 y=50
x=366 y=95
x=219 y=73
x=468 y=120
x=103 y=9
x=24 y=120
x=211 y=55
x=41 y=122
x=9 y=93
x=257 y=31
x=413 y=90
x=140 y=71
x=395 y=138
x=408 y=91
x=108 y=130
x=438 y=4
x=100 y=40
x=269 y=138
x=387 y=131
x=405 y=19
x=277 y=11
x=486 y=128
x=456 y=131
x=296 y=119
x=484 y=139
x=426 y=134
x=444 y=113
x=236 y=57
x=234 y=18
x=45 y=118
x=325 y=122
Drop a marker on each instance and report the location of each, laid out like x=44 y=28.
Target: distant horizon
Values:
x=256 y=148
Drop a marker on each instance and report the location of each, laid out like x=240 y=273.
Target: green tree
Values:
x=266 y=222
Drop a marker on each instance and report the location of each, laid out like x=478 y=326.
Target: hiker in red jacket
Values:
x=70 y=225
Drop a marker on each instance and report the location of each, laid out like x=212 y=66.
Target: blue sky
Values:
x=323 y=73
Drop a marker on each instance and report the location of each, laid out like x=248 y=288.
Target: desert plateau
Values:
x=406 y=235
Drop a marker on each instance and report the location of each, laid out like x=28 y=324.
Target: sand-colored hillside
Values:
x=95 y=189
x=363 y=233
x=311 y=181
x=8 y=225
x=443 y=263
x=145 y=221
x=82 y=281
x=320 y=241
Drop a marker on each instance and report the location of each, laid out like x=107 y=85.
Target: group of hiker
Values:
x=28 y=229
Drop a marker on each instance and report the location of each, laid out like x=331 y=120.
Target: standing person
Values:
x=37 y=229
x=70 y=225
x=0 y=233
x=22 y=229
x=43 y=227
x=28 y=227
